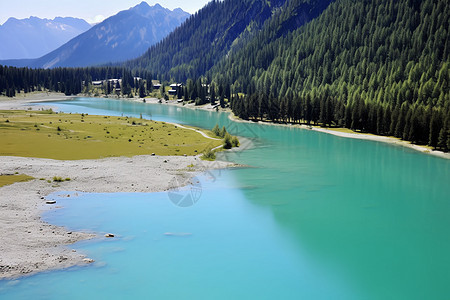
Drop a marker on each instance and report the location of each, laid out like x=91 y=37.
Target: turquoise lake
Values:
x=315 y=217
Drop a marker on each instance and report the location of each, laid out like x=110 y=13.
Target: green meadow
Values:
x=45 y=134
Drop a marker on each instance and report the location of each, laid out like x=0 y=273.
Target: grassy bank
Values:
x=10 y=179
x=45 y=134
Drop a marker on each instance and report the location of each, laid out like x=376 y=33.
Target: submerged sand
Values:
x=29 y=245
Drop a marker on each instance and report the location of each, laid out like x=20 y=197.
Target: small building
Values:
x=156 y=84
x=176 y=86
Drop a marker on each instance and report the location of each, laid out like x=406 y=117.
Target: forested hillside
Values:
x=205 y=38
x=373 y=65
x=216 y=31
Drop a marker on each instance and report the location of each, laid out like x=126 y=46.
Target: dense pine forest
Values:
x=375 y=66
x=70 y=81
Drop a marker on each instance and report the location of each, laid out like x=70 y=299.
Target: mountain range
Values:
x=35 y=37
x=123 y=36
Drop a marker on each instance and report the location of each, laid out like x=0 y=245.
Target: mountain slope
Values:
x=34 y=37
x=123 y=36
x=206 y=37
x=263 y=47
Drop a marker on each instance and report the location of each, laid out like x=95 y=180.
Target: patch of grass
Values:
x=60 y=179
x=18 y=137
x=57 y=179
x=10 y=179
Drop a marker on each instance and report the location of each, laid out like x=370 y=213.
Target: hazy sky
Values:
x=92 y=11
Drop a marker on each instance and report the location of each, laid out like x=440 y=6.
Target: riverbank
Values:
x=22 y=101
x=348 y=133
x=341 y=132
x=27 y=244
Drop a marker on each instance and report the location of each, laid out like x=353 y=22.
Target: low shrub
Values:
x=57 y=179
x=235 y=142
x=227 y=143
x=208 y=154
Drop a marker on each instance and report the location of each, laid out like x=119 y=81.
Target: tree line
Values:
x=418 y=123
x=72 y=81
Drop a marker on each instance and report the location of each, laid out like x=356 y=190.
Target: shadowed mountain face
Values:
x=221 y=29
x=206 y=37
x=123 y=36
x=34 y=37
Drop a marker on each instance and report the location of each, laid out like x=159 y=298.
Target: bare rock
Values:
x=88 y=260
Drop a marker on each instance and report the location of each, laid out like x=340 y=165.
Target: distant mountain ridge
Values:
x=34 y=37
x=123 y=36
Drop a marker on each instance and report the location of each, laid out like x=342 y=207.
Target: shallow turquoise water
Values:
x=317 y=217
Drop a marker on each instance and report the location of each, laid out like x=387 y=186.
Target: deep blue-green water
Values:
x=315 y=217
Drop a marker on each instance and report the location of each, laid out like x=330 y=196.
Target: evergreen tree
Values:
x=435 y=126
x=142 y=92
x=213 y=94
